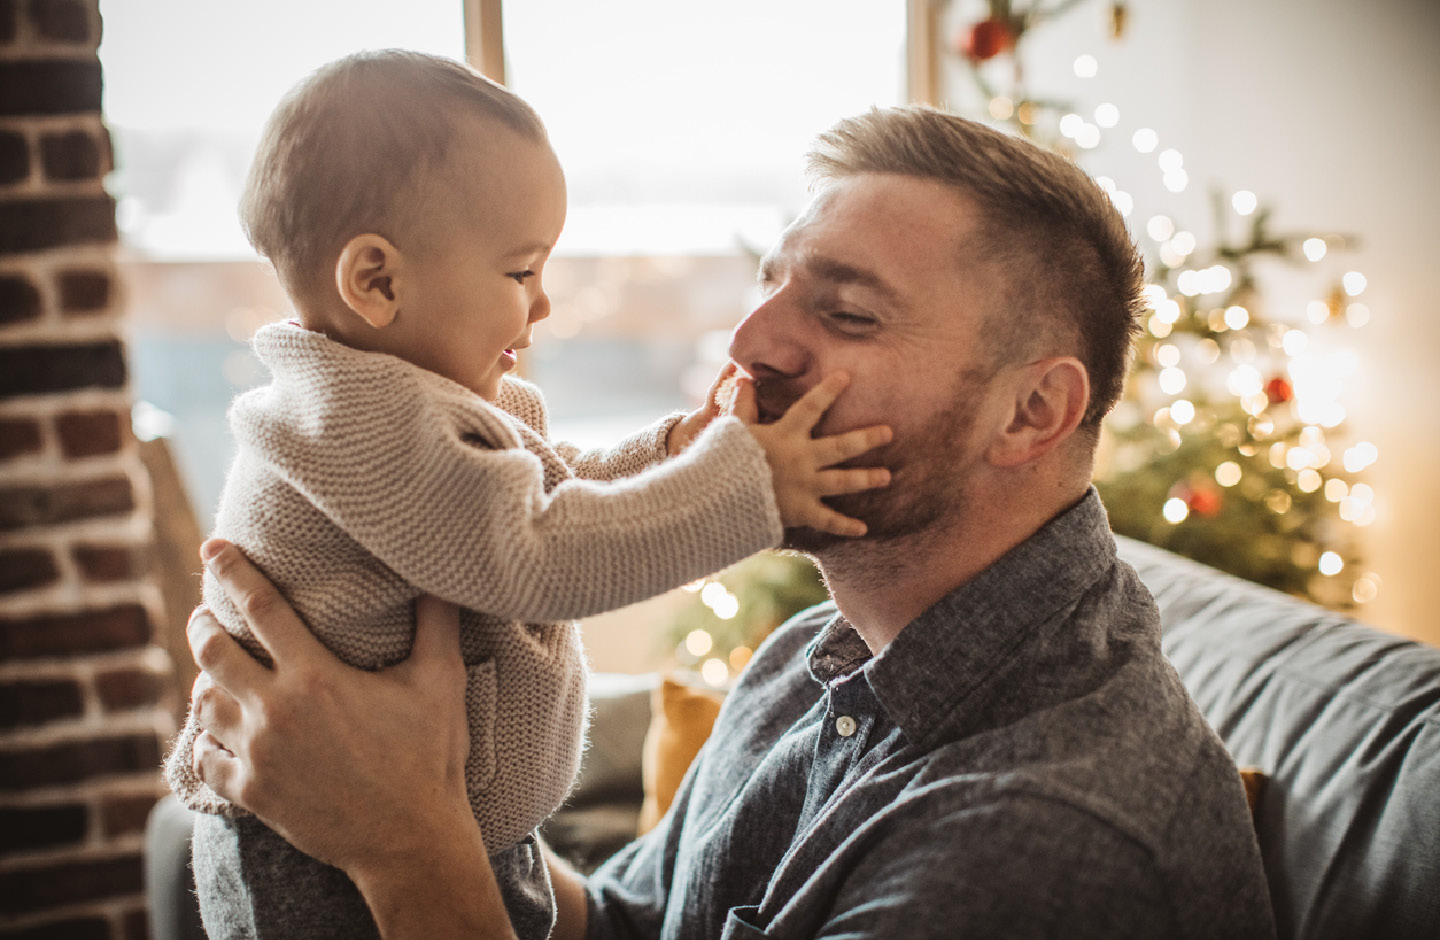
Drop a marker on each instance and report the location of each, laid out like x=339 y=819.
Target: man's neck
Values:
x=880 y=587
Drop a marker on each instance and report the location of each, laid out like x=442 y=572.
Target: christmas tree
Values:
x=1226 y=447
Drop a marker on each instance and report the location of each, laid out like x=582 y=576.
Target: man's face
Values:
x=872 y=281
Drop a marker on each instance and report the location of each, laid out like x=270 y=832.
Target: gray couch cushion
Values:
x=1345 y=722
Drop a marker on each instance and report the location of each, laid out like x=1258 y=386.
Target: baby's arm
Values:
x=477 y=526
x=719 y=400
x=649 y=446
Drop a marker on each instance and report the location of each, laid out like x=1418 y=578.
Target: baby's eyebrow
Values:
x=531 y=249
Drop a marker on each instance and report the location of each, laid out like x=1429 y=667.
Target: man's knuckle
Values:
x=257 y=605
x=208 y=648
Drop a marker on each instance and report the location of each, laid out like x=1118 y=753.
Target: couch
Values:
x=1341 y=721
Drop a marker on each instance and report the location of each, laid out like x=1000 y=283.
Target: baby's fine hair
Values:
x=350 y=150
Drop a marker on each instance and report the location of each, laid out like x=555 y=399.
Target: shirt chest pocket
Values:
x=738 y=925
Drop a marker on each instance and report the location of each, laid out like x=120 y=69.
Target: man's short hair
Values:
x=1070 y=269
x=351 y=150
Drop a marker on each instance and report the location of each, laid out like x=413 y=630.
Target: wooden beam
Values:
x=485 y=38
x=922 y=51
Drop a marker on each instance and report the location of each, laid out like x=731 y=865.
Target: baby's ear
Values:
x=366 y=274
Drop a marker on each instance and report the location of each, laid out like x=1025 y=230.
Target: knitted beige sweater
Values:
x=362 y=481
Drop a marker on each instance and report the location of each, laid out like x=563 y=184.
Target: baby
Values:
x=409 y=206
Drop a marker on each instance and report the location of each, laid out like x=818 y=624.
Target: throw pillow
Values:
x=682 y=716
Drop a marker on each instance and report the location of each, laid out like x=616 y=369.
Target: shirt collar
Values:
x=941 y=657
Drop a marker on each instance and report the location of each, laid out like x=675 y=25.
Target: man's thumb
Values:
x=437 y=630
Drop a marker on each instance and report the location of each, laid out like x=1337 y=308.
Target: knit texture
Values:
x=363 y=481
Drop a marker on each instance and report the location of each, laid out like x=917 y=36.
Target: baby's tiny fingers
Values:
x=840 y=447
x=825 y=519
x=839 y=482
x=742 y=403
x=811 y=406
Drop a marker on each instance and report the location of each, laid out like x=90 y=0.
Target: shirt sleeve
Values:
x=475 y=524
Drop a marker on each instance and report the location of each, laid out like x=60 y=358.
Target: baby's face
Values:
x=476 y=287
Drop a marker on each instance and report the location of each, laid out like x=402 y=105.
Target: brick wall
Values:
x=82 y=684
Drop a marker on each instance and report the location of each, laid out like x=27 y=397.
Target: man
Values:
x=980 y=738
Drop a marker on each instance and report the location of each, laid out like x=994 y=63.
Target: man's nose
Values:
x=767 y=343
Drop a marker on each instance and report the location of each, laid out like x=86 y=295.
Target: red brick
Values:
x=19 y=299
x=14 y=157
x=89 y=433
x=72 y=156
x=26 y=768
x=25 y=506
x=112 y=562
x=61 y=20
x=60 y=883
x=19 y=436
x=136 y=925
x=128 y=689
x=123 y=815
x=50 y=86
x=28 y=702
x=44 y=223
x=71 y=928
x=92 y=631
x=28 y=828
x=9 y=20
x=84 y=291
x=24 y=568
x=42 y=368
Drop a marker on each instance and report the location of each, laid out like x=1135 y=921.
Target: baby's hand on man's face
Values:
x=803 y=467
x=719 y=400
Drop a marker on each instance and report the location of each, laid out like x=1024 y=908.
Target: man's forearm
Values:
x=572 y=914
x=450 y=894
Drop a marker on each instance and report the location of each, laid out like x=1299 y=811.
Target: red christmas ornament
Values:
x=1201 y=499
x=985 y=40
x=1205 y=501
x=1279 y=390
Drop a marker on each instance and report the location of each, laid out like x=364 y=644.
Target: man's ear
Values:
x=367 y=274
x=1049 y=401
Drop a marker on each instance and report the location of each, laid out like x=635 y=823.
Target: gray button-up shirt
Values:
x=1021 y=761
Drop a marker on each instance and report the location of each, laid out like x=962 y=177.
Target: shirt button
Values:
x=845 y=726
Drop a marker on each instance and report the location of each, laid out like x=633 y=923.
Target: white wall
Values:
x=1329 y=110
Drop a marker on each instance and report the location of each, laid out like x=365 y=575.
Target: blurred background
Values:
x=682 y=127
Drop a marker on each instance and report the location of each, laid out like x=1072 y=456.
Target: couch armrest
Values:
x=1344 y=721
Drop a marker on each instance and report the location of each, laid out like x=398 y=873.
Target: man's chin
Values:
x=810 y=541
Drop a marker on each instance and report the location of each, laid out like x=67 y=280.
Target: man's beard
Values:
x=927 y=475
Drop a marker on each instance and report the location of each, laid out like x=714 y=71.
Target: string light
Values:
x=698 y=643
x=1145 y=140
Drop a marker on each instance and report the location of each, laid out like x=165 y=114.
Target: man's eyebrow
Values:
x=834 y=271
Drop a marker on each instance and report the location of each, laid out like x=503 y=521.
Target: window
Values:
x=681 y=128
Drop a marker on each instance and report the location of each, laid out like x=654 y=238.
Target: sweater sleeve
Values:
x=475 y=525
x=639 y=451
